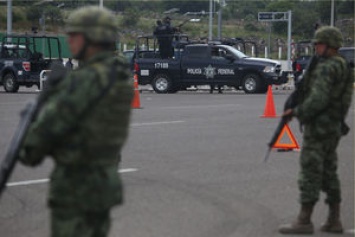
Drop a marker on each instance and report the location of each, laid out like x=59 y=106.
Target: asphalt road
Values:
x=192 y=167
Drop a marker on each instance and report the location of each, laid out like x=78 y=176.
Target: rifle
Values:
x=178 y=27
x=28 y=115
x=183 y=23
x=291 y=102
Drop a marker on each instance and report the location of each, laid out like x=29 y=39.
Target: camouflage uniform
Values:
x=83 y=126
x=324 y=100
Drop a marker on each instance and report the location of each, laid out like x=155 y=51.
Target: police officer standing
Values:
x=163 y=41
x=165 y=34
x=323 y=104
x=170 y=31
x=83 y=125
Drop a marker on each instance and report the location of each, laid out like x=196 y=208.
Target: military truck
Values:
x=23 y=57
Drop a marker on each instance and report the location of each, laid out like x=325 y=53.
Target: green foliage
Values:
x=186 y=5
x=131 y=18
x=240 y=9
x=18 y=15
x=34 y=13
x=303 y=20
x=250 y=27
x=250 y=23
x=54 y=14
x=323 y=8
x=346 y=7
x=280 y=6
x=239 y=16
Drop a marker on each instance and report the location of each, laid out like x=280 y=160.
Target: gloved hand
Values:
x=29 y=156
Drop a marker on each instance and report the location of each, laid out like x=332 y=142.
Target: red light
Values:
x=298 y=67
x=26 y=66
x=136 y=67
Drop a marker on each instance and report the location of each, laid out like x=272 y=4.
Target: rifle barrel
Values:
x=267 y=155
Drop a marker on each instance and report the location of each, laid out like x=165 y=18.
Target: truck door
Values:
x=223 y=63
x=196 y=68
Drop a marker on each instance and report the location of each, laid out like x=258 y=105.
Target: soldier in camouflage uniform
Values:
x=325 y=99
x=83 y=125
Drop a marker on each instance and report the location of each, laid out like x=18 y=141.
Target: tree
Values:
x=250 y=23
x=280 y=6
x=54 y=14
x=131 y=18
x=346 y=7
x=34 y=13
x=304 y=19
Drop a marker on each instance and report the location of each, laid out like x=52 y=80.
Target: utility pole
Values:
x=332 y=14
x=219 y=22
x=210 y=21
x=101 y=4
x=289 y=20
x=222 y=4
x=9 y=17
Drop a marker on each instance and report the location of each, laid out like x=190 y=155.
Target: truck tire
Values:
x=162 y=84
x=10 y=83
x=251 y=83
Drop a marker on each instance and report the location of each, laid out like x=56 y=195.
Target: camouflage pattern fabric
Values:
x=319 y=170
x=325 y=100
x=98 y=25
x=330 y=36
x=71 y=223
x=84 y=136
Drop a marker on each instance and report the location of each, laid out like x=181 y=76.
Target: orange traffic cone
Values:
x=136 y=103
x=269 y=111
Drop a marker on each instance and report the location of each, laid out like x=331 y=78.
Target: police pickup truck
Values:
x=207 y=64
x=22 y=58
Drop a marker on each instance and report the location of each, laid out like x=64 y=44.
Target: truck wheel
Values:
x=10 y=83
x=162 y=84
x=251 y=83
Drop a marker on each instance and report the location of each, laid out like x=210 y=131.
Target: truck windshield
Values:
x=235 y=52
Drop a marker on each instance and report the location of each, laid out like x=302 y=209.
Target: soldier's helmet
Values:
x=330 y=36
x=98 y=25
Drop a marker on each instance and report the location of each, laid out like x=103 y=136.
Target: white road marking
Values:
x=201 y=106
x=28 y=182
x=41 y=181
x=350 y=231
x=127 y=170
x=155 y=123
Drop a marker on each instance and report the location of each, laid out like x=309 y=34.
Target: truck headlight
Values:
x=269 y=69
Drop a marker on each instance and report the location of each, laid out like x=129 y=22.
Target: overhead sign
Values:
x=273 y=16
x=263 y=16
